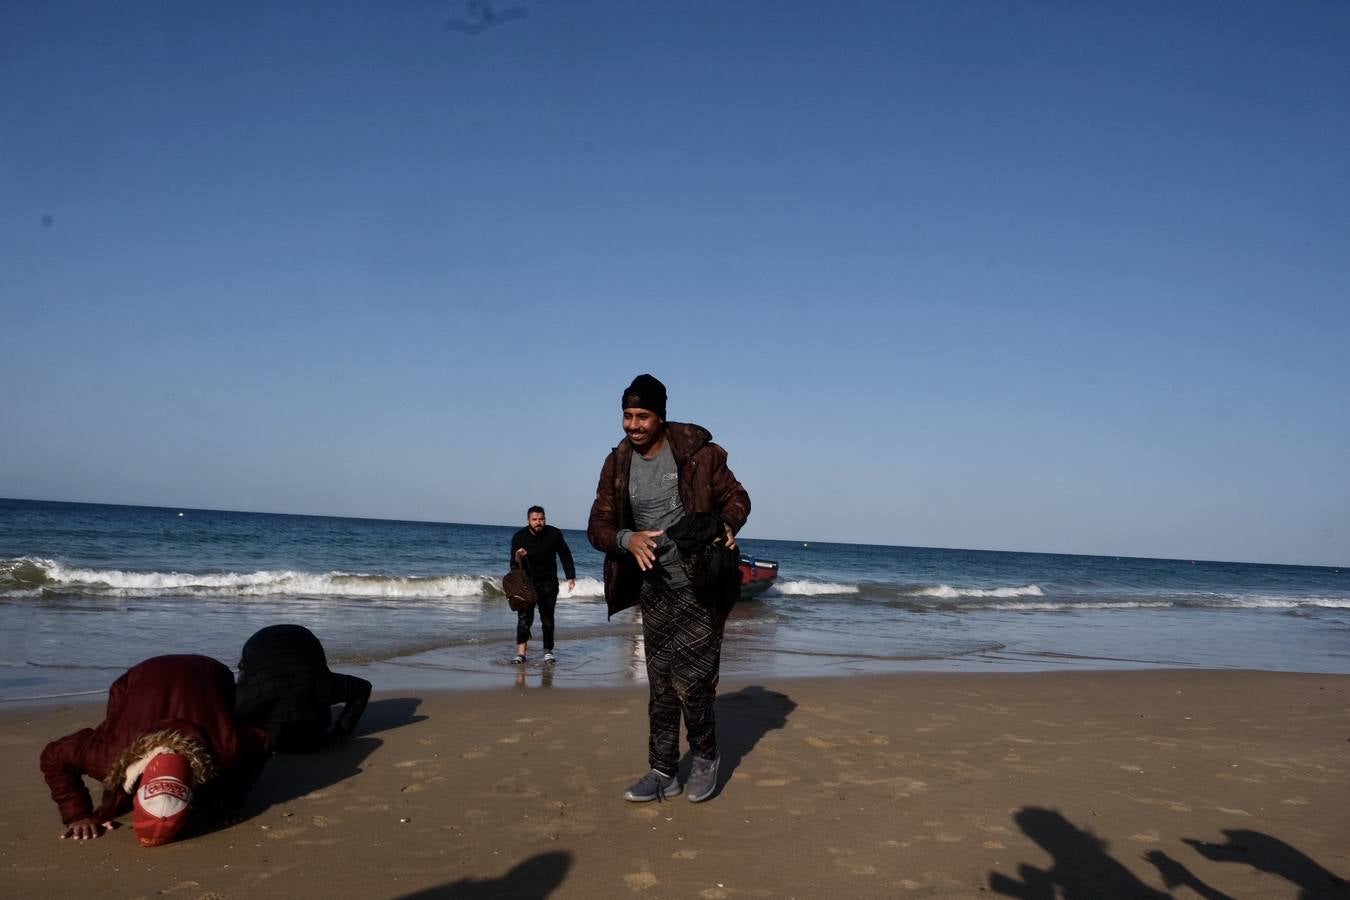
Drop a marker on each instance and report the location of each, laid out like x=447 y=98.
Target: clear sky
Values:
x=1069 y=277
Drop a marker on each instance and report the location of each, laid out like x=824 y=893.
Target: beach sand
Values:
x=1082 y=785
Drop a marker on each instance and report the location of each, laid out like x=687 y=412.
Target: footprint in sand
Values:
x=283 y=832
x=181 y=886
x=821 y=743
x=684 y=854
x=640 y=881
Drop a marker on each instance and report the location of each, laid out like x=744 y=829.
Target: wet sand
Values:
x=1074 y=784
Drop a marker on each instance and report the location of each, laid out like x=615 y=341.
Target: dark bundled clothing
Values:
x=714 y=572
x=185 y=702
x=542 y=552
x=285 y=687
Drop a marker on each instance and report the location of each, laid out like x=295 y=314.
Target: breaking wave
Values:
x=27 y=576
x=812 y=588
x=947 y=592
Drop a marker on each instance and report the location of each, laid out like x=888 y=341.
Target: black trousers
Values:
x=683 y=642
x=307 y=735
x=548 y=599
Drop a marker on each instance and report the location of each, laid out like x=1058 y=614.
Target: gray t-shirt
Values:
x=654 y=493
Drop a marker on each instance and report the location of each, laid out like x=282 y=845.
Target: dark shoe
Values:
x=703 y=778
x=653 y=786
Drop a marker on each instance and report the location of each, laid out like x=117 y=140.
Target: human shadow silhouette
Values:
x=533 y=879
x=1270 y=854
x=389 y=713
x=1082 y=868
x=743 y=718
x=1175 y=874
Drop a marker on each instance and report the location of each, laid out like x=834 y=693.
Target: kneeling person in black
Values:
x=538 y=546
x=285 y=687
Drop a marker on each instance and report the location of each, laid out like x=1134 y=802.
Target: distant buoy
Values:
x=180 y=515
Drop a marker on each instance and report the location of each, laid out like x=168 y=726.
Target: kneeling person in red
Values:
x=167 y=746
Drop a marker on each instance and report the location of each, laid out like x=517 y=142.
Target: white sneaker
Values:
x=549 y=657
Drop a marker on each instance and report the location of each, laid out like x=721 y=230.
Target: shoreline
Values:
x=1144 y=782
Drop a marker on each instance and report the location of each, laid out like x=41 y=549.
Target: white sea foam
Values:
x=1267 y=602
x=947 y=592
x=586 y=587
x=43 y=574
x=813 y=588
x=1054 y=607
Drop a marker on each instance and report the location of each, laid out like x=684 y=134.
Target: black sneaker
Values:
x=653 y=786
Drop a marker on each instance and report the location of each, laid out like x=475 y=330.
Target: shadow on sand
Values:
x=1083 y=870
x=743 y=718
x=1260 y=851
x=290 y=776
x=534 y=879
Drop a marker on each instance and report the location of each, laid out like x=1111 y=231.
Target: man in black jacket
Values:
x=538 y=546
x=285 y=687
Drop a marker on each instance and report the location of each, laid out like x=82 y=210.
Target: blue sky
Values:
x=1026 y=276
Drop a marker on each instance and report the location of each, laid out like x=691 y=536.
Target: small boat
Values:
x=756 y=575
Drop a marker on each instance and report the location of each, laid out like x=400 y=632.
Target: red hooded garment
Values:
x=187 y=701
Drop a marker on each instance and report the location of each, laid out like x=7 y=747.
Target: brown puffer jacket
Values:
x=706 y=486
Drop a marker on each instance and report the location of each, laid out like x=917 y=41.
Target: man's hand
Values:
x=86 y=829
x=642 y=544
x=571 y=585
x=520 y=553
x=730 y=542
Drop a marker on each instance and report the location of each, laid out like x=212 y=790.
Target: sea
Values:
x=87 y=590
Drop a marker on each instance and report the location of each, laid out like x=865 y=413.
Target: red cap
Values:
x=162 y=799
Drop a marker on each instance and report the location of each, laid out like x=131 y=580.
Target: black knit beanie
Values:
x=646 y=393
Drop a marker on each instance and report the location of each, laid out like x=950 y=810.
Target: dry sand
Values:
x=1078 y=785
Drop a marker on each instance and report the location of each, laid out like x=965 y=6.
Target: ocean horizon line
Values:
x=1334 y=567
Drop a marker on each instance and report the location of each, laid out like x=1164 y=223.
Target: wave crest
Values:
x=27 y=576
x=813 y=588
x=947 y=592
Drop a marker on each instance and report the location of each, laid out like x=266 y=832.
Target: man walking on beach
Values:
x=538 y=546
x=661 y=472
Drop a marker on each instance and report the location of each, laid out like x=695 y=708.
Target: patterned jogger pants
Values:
x=683 y=642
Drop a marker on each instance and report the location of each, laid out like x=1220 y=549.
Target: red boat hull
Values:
x=757 y=575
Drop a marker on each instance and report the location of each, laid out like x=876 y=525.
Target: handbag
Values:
x=519 y=588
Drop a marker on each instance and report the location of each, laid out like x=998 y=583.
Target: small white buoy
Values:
x=180 y=515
